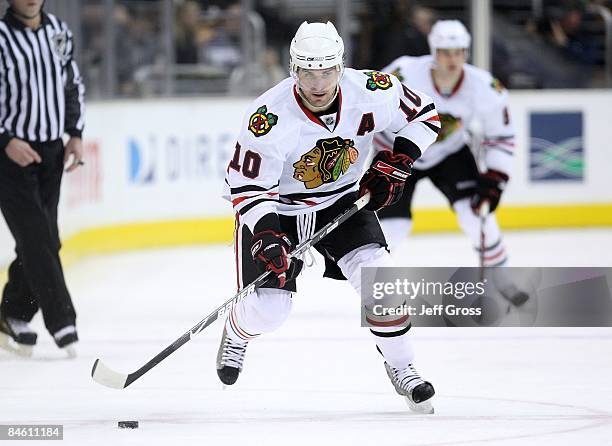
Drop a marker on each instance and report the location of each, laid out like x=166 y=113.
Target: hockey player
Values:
x=461 y=93
x=302 y=157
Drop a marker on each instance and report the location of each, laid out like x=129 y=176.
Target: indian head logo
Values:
x=497 y=85
x=325 y=162
x=398 y=74
x=449 y=125
x=261 y=122
x=378 y=80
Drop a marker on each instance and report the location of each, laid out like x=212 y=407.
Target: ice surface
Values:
x=318 y=379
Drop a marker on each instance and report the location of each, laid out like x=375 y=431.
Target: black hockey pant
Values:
x=28 y=199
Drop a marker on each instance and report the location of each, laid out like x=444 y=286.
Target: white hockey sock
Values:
x=260 y=312
x=393 y=342
x=396 y=230
x=495 y=249
x=397 y=350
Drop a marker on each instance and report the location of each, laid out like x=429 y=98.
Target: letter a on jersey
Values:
x=261 y=122
x=366 y=125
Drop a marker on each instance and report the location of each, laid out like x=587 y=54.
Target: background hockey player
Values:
x=461 y=93
x=299 y=161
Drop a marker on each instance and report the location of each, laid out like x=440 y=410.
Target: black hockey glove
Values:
x=489 y=188
x=385 y=179
x=270 y=249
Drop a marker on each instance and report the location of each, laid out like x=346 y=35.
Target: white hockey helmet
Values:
x=316 y=46
x=448 y=34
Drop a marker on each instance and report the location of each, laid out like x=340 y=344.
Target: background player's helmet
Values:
x=448 y=34
x=316 y=46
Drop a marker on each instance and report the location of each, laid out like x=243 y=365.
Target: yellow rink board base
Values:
x=135 y=236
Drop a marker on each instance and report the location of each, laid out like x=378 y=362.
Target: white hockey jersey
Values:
x=289 y=161
x=477 y=95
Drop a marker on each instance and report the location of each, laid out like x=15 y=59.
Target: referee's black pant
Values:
x=28 y=199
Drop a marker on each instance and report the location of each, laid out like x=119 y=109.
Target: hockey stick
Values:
x=106 y=376
x=482 y=215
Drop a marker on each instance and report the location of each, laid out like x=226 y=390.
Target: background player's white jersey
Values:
x=477 y=95
x=289 y=161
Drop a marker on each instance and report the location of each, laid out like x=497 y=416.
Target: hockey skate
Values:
x=16 y=336
x=230 y=358
x=65 y=339
x=415 y=389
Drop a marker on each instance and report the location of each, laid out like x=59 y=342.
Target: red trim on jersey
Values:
x=339 y=107
x=433 y=118
x=311 y=115
x=239 y=200
x=455 y=88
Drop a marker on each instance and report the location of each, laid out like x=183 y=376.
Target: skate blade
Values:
x=8 y=344
x=425 y=408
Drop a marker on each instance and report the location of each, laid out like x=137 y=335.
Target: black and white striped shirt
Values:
x=41 y=90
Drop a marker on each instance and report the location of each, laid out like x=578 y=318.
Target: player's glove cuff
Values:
x=490 y=186
x=385 y=179
x=270 y=250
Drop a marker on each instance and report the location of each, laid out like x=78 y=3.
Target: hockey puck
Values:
x=128 y=424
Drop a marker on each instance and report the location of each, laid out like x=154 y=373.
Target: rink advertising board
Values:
x=154 y=172
x=556 y=147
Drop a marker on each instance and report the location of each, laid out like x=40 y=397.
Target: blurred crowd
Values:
x=561 y=45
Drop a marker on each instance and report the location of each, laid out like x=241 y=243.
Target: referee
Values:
x=41 y=100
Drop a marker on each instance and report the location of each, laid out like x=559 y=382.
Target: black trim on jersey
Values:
x=250 y=206
x=301 y=196
x=431 y=127
x=394 y=334
x=506 y=151
x=269 y=222
x=500 y=138
x=241 y=189
x=406 y=147
x=425 y=109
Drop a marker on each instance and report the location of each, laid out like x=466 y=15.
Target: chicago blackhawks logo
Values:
x=261 y=122
x=325 y=162
x=449 y=125
x=497 y=85
x=378 y=81
x=398 y=74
